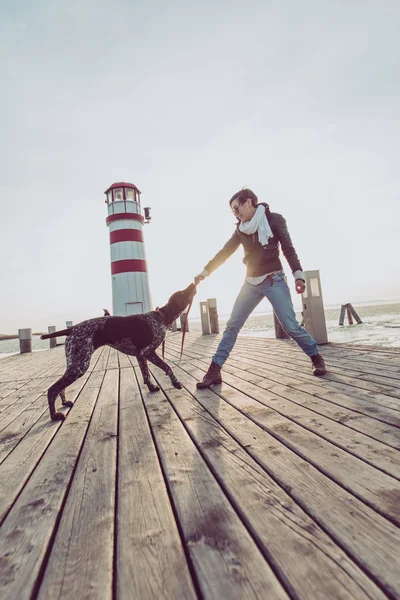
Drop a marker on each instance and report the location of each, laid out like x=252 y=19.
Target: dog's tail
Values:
x=46 y=336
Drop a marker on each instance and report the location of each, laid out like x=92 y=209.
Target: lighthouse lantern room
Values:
x=129 y=276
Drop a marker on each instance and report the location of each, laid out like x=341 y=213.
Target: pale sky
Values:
x=298 y=100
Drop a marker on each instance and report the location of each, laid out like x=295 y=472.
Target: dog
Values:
x=136 y=335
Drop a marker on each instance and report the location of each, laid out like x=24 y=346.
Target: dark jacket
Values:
x=259 y=259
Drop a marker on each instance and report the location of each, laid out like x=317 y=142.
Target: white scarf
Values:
x=258 y=223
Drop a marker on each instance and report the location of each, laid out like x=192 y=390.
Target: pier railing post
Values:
x=53 y=341
x=25 y=340
x=204 y=316
x=213 y=314
x=182 y=319
x=280 y=333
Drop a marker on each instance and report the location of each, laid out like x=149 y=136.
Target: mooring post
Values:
x=204 y=316
x=342 y=314
x=280 y=333
x=182 y=319
x=349 y=314
x=213 y=314
x=25 y=340
x=354 y=313
x=53 y=341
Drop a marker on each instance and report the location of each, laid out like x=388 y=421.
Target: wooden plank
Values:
x=101 y=363
x=300 y=367
x=377 y=489
x=112 y=362
x=151 y=560
x=361 y=446
x=369 y=450
x=29 y=526
x=379 y=406
x=386 y=429
x=18 y=393
x=22 y=403
x=123 y=360
x=18 y=466
x=226 y=560
x=370 y=539
x=335 y=368
x=12 y=435
x=81 y=559
x=305 y=557
x=9 y=387
x=384 y=395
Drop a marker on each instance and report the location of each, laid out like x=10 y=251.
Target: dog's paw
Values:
x=58 y=417
x=68 y=403
x=177 y=384
x=153 y=388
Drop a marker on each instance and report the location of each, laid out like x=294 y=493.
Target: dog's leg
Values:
x=156 y=360
x=146 y=375
x=64 y=401
x=79 y=352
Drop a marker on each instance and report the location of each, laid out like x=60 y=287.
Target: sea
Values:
x=380 y=327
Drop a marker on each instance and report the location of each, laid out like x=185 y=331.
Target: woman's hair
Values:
x=242 y=196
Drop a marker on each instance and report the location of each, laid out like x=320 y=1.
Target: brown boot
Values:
x=318 y=365
x=212 y=376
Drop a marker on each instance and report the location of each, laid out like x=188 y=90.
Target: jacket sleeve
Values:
x=287 y=245
x=231 y=245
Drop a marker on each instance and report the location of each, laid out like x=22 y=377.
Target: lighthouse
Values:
x=129 y=277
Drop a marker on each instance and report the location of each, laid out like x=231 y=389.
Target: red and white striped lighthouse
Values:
x=130 y=282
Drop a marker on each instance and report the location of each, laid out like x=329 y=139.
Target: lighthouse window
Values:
x=130 y=195
x=118 y=194
x=109 y=197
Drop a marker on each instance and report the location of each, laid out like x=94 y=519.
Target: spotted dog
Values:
x=136 y=335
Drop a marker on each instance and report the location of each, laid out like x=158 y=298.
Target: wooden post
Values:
x=53 y=341
x=280 y=333
x=25 y=340
x=342 y=314
x=182 y=319
x=354 y=313
x=205 y=321
x=173 y=326
x=349 y=314
x=68 y=323
x=213 y=314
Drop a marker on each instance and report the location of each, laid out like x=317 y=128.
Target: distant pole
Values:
x=25 y=340
x=354 y=313
x=280 y=333
x=213 y=314
x=350 y=312
x=349 y=315
x=53 y=341
x=182 y=319
x=205 y=321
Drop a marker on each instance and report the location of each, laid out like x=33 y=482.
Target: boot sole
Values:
x=319 y=372
x=204 y=387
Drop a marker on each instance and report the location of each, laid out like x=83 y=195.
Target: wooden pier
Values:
x=274 y=485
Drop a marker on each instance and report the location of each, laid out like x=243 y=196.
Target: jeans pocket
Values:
x=277 y=277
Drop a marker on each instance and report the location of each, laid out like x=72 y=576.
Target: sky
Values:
x=298 y=100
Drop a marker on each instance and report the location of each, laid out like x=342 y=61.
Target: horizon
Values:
x=379 y=302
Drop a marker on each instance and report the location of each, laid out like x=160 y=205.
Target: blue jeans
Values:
x=276 y=290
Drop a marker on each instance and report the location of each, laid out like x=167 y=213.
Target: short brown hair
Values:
x=242 y=196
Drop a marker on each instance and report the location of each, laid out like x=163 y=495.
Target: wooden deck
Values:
x=274 y=485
